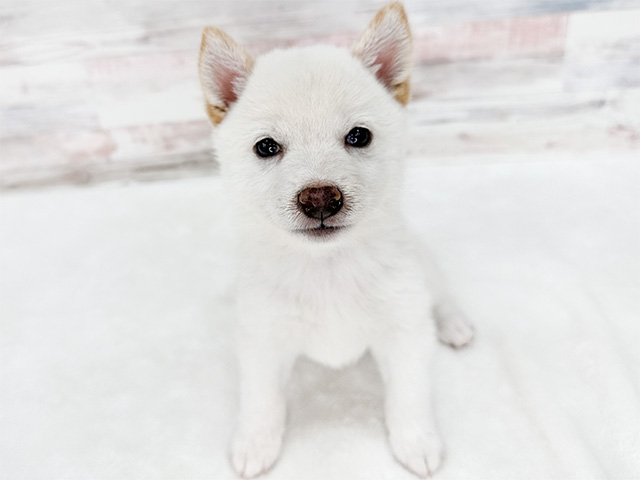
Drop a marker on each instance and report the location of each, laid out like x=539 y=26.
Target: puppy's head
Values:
x=312 y=138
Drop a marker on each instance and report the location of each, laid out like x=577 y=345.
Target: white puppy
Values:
x=311 y=141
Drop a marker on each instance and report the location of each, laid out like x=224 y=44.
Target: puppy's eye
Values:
x=267 y=147
x=358 y=137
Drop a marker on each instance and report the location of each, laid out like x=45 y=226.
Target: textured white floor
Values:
x=116 y=360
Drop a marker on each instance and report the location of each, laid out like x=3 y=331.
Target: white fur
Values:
x=331 y=299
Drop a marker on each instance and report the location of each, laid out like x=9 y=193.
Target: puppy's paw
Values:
x=454 y=329
x=254 y=452
x=456 y=332
x=419 y=451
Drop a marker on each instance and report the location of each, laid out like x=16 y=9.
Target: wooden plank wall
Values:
x=93 y=90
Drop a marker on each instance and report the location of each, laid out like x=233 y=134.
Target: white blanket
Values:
x=116 y=356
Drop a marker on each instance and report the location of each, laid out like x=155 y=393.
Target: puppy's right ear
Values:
x=224 y=68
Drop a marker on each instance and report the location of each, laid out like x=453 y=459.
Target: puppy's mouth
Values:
x=321 y=231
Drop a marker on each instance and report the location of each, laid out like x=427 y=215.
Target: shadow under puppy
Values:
x=311 y=142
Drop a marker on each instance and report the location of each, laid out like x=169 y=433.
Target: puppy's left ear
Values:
x=224 y=68
x=386 y=49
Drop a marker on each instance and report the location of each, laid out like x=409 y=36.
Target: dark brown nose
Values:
x=320 y=202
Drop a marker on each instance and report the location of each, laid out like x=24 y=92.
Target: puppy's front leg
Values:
x=258 y=438
x=404 y=359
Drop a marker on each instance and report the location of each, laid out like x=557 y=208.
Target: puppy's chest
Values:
x=336 y=308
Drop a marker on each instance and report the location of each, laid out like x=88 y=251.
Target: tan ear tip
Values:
x=212 y=36
x=397 y=7
x=209 y=33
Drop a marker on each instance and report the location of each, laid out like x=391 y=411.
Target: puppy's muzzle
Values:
x=320 y=202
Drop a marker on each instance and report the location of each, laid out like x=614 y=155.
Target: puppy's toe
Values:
x=456 y=332
x=420 y=452
x=254 y=453
x=454 y=328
